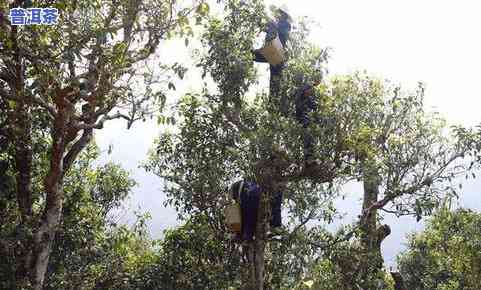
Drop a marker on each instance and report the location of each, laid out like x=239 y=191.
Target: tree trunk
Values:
x=372 y=236
x=260 y=243
x=267 y=179
x=254 y=280
x=23 y=158
x=369 y=218
x=45 y=234
x=19 y=129
x=23 y=165
x=34 y=251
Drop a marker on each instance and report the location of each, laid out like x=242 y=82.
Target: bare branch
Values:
x=42 y=103
x=337 y=240
x=76 y=148
x=100 y=123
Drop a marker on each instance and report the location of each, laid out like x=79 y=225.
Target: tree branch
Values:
x=100 y=123
x=50 y=109
x=76 y=148
x=338 y=239
x=296 y=229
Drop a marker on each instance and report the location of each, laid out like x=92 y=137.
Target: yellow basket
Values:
x=273 y=51
x=233 y=219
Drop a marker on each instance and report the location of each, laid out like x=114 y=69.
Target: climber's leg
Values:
x=258 y=56
x=249 y=215
x=276 y=204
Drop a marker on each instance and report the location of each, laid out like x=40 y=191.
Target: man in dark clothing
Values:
x=305 y=105
x=282 y=28
x=248 y=193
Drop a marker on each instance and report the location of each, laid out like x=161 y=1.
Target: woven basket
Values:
x=233 y=217
x=273 y=51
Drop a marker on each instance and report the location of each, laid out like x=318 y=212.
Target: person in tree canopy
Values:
x=281 y=27
x=305 y=105
x=248 y=194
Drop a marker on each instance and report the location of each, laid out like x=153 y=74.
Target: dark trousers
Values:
x=249 y=209
x=276 y=203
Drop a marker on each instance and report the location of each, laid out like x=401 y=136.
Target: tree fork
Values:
x=59 y=164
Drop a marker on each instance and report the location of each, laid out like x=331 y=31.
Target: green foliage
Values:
x=214 y=143
x=89 y=249
x=192 y=256
x=220 y=136
x=417 y=158
x=446 y=255
x=230 y=41
x=8 y=215
x=225 y=134
x=339 y=267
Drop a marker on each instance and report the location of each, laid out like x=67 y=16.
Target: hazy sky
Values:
x=436 y=42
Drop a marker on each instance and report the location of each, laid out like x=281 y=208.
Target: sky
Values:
x=436 y=42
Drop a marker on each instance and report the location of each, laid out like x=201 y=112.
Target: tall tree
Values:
x=229 y=133
x=366 y=130
x=406 y=158
x=87 y=69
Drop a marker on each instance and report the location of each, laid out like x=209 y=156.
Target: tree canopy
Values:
x=59 y=84
x=446 y=254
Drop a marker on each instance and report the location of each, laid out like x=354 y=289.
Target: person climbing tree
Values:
x=248 y=194
x=280 y=27
x=305 y=105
